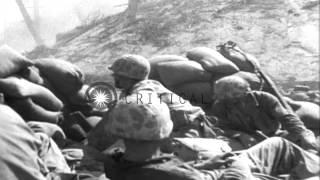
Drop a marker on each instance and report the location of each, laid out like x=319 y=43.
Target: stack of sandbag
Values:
x=32 y=74
x=11 y=61
x=182 y=72
x=186 y=78
x=154 y=61
x=247 y=64
x=47 y=90
x=212 y=61
x=214 y=64
x=65 y=77
x=241 y=59
x=66 y=80
x=192 y=78
x=229 y=61
x=256 y=82
x=32 y=101
x=15 y=86
x=304 y=93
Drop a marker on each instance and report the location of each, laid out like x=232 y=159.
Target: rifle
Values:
x=260 y=73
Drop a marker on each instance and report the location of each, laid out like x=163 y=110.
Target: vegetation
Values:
x=280 y=39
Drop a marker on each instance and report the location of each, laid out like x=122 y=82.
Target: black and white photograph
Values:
x=159 y=90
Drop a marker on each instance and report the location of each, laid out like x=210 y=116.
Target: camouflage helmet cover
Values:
x=131 y=66
x=140 y=118
x=230 y=87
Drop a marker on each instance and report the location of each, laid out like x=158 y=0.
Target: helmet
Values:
x=131 y=66
x=230 y=87
x=140 y=116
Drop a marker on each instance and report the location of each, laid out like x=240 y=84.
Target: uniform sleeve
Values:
x=289 y=121
x=239 y=169
x=233 y=167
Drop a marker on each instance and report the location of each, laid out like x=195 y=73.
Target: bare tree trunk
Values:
x=132 y=9
x=29 y=23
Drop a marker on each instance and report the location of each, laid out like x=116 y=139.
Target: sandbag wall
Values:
x=29 y=98
x=46 y=90
x=193 y=77
x=66 y=81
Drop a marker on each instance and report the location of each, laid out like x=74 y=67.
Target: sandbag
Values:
x=255 y=82
x=212 y=61
x=154 y=61
x=308 y=112
x=64 y=76
x=30 y=111
x=15 y=86
x=198 y=92
x=190 y=149
x=47 y=84
x=301 y=88
x=232 y=53
x=11 y=61
x=180 y=72
x=32 y=74
x=299 y=96
x=80 y=97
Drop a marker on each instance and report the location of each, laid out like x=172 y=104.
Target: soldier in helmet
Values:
x=257 y=113
x=145 y=126
x=129 y=70
x=131 y=73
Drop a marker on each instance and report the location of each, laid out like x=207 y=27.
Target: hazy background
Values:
x=282 y=34
x=55 y=16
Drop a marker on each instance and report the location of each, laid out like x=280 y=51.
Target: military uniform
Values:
x=265 y=161
x=145 y=126
x=131 y=74
x=259 y=111
x=188 y=120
